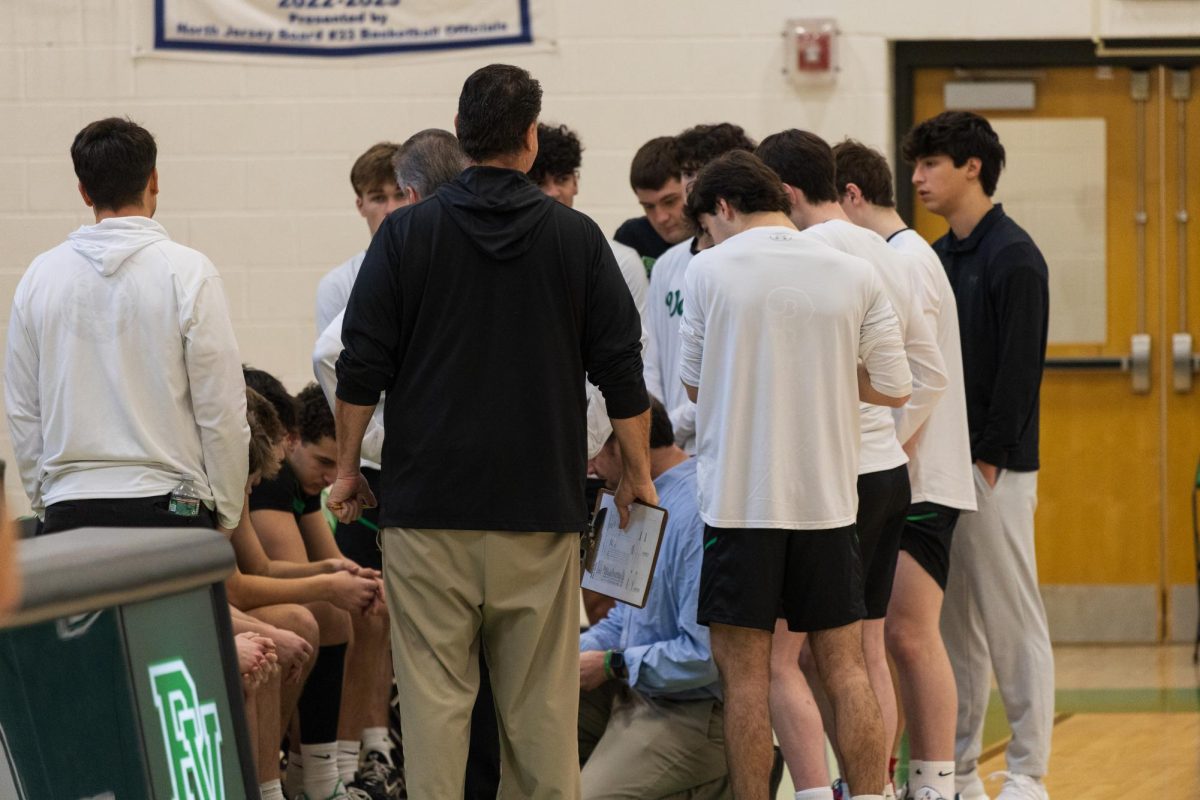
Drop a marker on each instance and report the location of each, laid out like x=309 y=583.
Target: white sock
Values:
x=271 y=790
x=377 y=740
x=937 y=775
x=889 y=791
x=293 y=779
x=320 y=769
x=866 y=797
x=819 y=793
x=347 y=760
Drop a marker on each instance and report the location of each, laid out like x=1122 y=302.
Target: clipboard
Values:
x=620 y=563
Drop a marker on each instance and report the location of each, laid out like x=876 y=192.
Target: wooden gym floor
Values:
x=1128 y=725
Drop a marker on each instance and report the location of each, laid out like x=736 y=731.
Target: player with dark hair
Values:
x=700 y=144
x=286 y=515
x=121 y=378
x=781 y=336
x=939 y=470
x=666 y=304
x=993 y=613
x=655 y=180
x=805 y=163
x=556 y=168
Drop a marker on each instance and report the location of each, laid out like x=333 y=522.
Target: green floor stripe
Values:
x=1119 y=701
x=1097 y=701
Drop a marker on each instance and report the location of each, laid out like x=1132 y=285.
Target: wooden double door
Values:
x=1104 y=171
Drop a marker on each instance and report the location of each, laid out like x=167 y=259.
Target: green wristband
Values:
x=608 y=673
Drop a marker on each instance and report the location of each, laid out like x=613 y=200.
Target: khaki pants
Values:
x=516 y=595
x=641 y=748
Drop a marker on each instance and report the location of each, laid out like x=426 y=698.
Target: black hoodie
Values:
x=479 y=311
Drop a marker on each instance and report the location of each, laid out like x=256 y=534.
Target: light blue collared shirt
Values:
x=666 y=650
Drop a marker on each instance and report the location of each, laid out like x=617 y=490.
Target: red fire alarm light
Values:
x=812 y=50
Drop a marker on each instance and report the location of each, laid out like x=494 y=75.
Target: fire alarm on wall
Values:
x=811 y=50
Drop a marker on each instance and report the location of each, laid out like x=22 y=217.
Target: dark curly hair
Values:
x=700 y=144
x=559 y=153
x=269 y=387
x=960 y=135
x=316 y=418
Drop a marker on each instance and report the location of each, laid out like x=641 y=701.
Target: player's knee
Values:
x=300 y=621
x=906 y=639
x=333 y=622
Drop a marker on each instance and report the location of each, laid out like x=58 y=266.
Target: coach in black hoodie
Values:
x=480 y=311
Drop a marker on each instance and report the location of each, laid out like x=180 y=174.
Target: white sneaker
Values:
x=924 y=793
x=972 y=789
x=1021 y=787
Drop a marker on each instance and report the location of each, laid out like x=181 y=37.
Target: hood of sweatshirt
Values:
x=499 y=210
x=110 y=243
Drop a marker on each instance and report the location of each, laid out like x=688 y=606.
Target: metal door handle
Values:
x=1184 y=362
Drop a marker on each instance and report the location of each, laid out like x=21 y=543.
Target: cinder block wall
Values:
x=255 y=154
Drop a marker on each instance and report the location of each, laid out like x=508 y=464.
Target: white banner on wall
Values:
x=337 y=27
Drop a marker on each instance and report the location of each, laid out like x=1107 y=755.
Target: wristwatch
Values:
x=614 y=665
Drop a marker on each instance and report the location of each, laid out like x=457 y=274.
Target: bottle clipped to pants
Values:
x=185 y=501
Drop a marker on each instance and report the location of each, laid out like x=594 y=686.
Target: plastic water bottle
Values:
x=185 y=500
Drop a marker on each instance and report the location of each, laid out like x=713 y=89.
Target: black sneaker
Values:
x=380 y=777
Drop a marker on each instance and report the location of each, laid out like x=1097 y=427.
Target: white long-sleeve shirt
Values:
x=325 y=356
x=333 y=291
x=599 y=427
x=939 y=466
x=123 y=374
x=881 y=445
x=664 y=309
x=774 y=327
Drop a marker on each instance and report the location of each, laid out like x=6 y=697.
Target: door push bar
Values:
x=1137 y=363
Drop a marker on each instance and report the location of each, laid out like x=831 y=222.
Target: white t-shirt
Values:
x=881 y=447
x=664 y=310
x=333 y=292
x=123 y=372
x=772 y=334
x=939 y=451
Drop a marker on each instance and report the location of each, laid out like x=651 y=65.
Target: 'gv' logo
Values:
x=192 y=733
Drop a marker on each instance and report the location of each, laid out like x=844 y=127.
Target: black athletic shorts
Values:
x=883 y=500
x=928 y=533
x=121 y=512
x=359 y=540
x=752 y=577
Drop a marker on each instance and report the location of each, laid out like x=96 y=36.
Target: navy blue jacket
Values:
x=1001 y=286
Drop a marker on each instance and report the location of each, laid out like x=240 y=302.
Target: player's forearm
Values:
x=351 y=421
